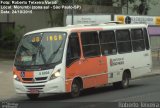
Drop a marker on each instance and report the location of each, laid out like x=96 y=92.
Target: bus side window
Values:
x=123 y=41
x=146 y=38
x=137 y=40
x=73 y=50
x=108 y=43
x=90 y=44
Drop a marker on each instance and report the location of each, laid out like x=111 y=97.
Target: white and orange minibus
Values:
x=72 y=58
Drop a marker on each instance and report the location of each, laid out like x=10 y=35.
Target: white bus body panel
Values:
x=56 y=85
x=138 y=63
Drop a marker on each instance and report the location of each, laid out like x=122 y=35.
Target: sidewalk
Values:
x=6 y=65
x=155 y=67
x=6 y=83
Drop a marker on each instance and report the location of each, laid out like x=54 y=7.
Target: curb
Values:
x=149 y=75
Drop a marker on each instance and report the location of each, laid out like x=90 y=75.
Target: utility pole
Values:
x=72 y=12
x=127 y=7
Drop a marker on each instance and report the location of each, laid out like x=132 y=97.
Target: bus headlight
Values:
x=16 y=77
x=55 y=75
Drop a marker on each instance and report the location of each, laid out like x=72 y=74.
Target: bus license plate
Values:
x=34 y=91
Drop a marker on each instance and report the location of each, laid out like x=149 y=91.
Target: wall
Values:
x=155 y=42
x=37 y=20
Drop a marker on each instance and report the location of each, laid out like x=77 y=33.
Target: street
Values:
x=139 y=90
x=144 y=89
x=52 y=50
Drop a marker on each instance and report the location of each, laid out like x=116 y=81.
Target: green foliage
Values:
x=11 y=37
x=142 y=8
x=9 y=34
x=12 y=33
x=56 y=18
x=17 y=31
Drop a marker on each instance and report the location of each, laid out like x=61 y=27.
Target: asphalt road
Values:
x=140 y=90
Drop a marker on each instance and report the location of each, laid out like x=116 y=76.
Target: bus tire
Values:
x=75 y=89
x=124 y=83
x=33 y=96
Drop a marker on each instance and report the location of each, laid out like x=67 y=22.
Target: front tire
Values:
x=75 y=89
x=33 y=96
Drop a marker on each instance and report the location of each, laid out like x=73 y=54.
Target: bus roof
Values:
x=80 y=27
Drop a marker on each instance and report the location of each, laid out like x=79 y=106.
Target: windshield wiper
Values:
x=54 y=54
x=41 y=52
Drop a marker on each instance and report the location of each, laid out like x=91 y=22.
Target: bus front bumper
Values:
x=53 y=86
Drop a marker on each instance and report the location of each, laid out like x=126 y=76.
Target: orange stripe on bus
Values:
x=28 y=74
x=93 y=71
x=68 y=85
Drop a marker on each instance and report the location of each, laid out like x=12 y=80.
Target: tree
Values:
x=97 y=2
x=56 y=16
x=142 y=8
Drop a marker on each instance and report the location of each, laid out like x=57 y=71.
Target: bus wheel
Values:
x=33 y=96
x=75 y=89
x=125 y=80
x=124 y=83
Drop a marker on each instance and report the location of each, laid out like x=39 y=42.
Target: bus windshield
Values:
x=40 y=49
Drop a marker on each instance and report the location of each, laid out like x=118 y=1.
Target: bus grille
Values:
x=27 y=79
x=38 y=87
x=41 y=78
x=36 y=79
